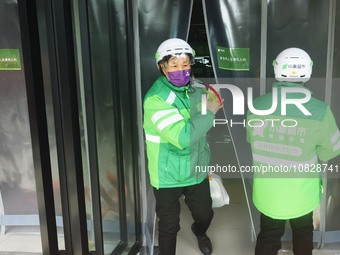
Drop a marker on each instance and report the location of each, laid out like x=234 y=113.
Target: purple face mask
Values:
x=179 y=78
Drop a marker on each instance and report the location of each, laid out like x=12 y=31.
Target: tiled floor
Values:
x=18 y=240
x=26 y=240
x=230 y=232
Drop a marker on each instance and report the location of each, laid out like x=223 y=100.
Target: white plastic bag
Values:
x=218 y=193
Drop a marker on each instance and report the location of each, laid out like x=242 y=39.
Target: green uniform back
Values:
x=287 y=151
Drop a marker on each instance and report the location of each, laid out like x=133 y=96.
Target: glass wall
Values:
x=90 y=127
x=244 y=38
x=18 y=196
x=107 y=141
x=97 y=112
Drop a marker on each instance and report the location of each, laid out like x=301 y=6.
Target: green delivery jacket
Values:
x=175 y=134
x=295 y=188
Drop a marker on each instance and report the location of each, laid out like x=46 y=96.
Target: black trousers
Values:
x=269 y=238
x=198 y=200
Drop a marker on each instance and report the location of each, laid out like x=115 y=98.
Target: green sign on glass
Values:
x=235 y=59
x=10 y=59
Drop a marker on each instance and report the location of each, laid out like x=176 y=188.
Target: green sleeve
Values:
x=198 y=127
x=171 y=125
x=328 y=145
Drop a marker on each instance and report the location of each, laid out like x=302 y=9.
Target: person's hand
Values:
x=213 y=104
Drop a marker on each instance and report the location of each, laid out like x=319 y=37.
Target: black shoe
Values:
x=204 y=242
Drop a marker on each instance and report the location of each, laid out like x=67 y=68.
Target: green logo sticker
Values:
x=235 y=59
x=10 y=59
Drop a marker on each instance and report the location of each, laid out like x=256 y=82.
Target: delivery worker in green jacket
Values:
x=287 y=147
x=175 y=134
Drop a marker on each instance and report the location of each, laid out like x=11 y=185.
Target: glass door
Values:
x=107 y=147
x=81 y=83
x=19 y=217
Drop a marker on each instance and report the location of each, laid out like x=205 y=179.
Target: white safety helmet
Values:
x=174 y=47
x=293 y=65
